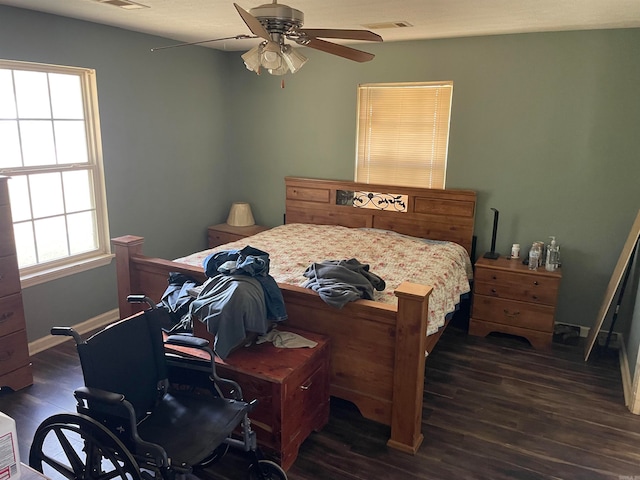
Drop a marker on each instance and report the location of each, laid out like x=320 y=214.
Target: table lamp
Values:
x=240 y=215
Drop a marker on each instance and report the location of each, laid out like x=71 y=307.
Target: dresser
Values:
x=510 y=298
x=290 y=384
x=223 y=233
x=15 y=366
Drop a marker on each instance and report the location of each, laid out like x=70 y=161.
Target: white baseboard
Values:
x=88 y=325
x=630 y=386
x=634 y=406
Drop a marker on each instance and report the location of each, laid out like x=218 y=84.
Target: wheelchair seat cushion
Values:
x=180 y=423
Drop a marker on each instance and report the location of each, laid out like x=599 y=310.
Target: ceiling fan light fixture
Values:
x=275 y=23
x=281 y=70
x=252 y=59
x=271 y=56
x=294 y=59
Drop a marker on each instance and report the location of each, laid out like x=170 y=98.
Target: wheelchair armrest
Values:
x=187 y=341
x=67 y=331
x=96 y=394
x=117 y=399
x=111 y=401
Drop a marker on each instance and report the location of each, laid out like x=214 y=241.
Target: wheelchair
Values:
x=130 y=425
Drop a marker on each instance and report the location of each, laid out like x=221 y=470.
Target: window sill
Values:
x=65 y=270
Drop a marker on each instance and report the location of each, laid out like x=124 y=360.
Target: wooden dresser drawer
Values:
x=512 y=312
x=7 y=242
x=220 y=238
x=13 y=351
x=223 y=233
x=9 y=276
x=15 y=367
x=11 y=314
x=517 y=286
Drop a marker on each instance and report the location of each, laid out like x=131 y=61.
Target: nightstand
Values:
x=510 y=298
x=223 y=233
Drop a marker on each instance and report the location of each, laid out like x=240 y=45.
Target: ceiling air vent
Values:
x=126 y=4
x=379 y=26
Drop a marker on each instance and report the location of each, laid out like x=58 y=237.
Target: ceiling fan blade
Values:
x=340 y=50
x=339 y=33
x=253 y=23
x=235 y=37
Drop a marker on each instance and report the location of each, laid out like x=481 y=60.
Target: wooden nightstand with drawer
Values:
x=510 y=298
x=223 y=233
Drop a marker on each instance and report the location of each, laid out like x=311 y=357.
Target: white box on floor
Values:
x=9 y=453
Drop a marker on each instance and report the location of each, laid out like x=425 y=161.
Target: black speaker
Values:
x=493 y=254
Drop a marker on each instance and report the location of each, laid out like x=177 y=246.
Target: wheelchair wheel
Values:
x=266 y=470
x=77 y=447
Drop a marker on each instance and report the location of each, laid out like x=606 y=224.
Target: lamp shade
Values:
x=240 y=215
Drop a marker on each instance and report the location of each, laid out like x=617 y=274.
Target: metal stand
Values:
x=493 y=255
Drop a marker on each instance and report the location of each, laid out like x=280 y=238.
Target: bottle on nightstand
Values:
x=534 y=257
x=553 y=255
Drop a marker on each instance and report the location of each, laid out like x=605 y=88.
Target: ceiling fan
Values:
x=274 y=23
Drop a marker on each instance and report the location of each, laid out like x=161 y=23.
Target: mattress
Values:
x=395 y=258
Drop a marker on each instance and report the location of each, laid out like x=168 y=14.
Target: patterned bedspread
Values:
x=394 y=257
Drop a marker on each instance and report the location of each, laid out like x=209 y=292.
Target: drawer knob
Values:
x=493 y=277
x=535 y=282
x=6 y=316
x=511 y=314
x=493 y=290
x=534 y=297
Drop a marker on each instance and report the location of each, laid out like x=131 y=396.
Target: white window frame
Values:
x=394 y=147
x=43 y=272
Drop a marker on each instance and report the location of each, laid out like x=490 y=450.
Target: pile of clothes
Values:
x=239 y=300
x=341 y=281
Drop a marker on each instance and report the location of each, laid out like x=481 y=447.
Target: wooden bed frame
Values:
x=377 y=350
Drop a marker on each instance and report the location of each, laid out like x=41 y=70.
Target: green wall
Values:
x=544 y=128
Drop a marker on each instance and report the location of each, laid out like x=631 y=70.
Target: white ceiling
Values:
x=196 y=20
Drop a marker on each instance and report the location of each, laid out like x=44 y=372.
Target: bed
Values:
x=378 y=347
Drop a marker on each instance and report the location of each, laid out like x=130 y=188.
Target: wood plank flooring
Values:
x=494 y=408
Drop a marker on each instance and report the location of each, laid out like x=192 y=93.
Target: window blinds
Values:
x=403 y=133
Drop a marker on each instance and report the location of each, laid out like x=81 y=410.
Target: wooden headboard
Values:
x=421 y=212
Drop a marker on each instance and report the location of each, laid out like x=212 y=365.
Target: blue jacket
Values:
x=255 y=263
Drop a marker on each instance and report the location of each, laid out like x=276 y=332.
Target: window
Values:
x=50 y=149
x=403 y=133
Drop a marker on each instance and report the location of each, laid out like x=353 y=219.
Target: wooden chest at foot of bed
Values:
x=291 y=386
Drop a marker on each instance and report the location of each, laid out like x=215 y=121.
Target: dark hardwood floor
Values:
x=494 y=408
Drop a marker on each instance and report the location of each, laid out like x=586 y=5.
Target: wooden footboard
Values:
x=377 y=350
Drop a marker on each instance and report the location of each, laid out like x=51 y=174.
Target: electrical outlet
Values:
x=613 y=340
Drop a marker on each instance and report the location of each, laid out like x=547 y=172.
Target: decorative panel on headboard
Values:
x=420 y=212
